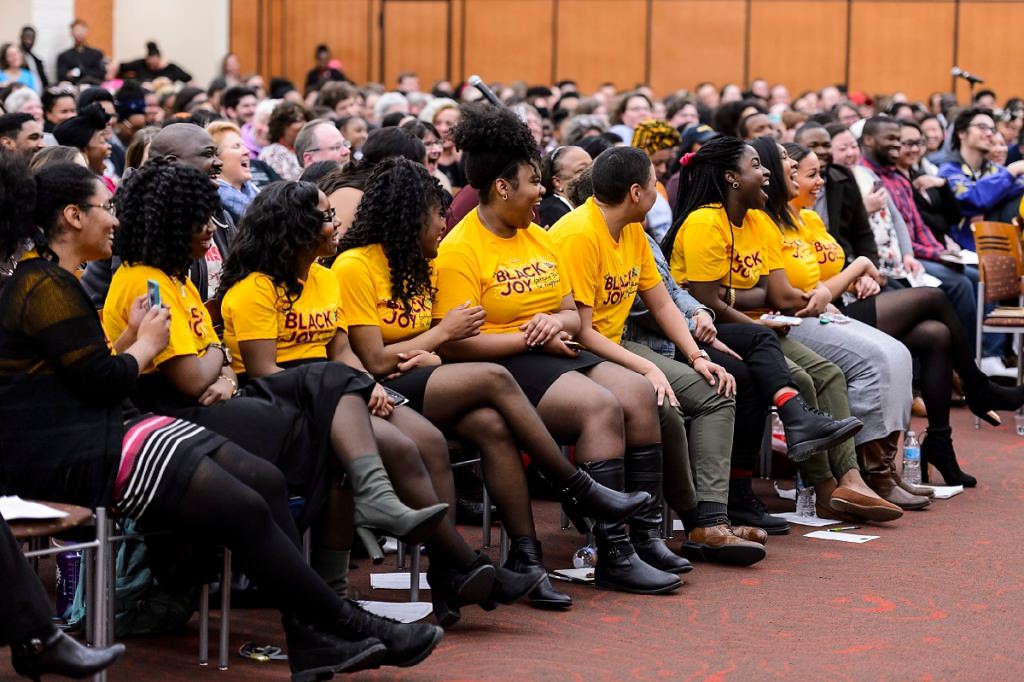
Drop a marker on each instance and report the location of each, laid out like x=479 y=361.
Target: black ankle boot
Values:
x=937 y=449
x=582 y=496
x=809 y=431
x=451 y=588
x=745 y=509
x=314 y=654
x=984 y=398
x=525 y=553
x=58 y=654
x=643 y=474
x=407 y=643
x=618 y=566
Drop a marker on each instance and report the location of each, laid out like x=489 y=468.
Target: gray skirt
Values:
x=878 y=371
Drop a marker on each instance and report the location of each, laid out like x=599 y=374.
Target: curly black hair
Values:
x=495 y=143
x=159 y=207
x=399 y=196
x=282 y=221
x=17 y=200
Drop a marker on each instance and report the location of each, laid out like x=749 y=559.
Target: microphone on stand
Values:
x=488 y=94
x=957 y=72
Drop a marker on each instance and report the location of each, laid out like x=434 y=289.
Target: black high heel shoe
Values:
x=937 y=449
x=452 y=588
x=61 y=655
x=984 y=398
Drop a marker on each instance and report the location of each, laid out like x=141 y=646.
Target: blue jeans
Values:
x=962 y=293
x=992 y=345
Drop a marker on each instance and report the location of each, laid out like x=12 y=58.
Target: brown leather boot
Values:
x=758 y=535
x=920 y=490
x=875 y=460
x=718 y=544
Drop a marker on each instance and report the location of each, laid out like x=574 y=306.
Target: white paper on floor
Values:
x=576 y=575
x=806 y=520
x=13 y=508
x=944 y=492
x=395 y=581
x=406 y=612
x=677 y=524
x=841 y=537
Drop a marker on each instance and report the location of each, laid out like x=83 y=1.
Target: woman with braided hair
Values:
x=497 y=259
x=658 y=140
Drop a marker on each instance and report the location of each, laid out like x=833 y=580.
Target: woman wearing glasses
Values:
x=427 y=134
x=559 y=168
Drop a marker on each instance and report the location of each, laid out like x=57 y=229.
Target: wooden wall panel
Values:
x=989 y=46
x=694 y=41
x=415 y=39
x=812 y=49
x=601 y=40
x=243 y=24
x=308 y=23
x=897 y=46
x=508 y=40
x=99 y=14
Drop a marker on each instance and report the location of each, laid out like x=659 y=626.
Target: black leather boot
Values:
x=58 y=654
x=809 y=430
x=937 y=450
x=407 y=643
x=451 y=588
x=582 y=496
x=525 y=552
x=618 y=566
x=317 y=655
x=643 y=474
x=746 y=509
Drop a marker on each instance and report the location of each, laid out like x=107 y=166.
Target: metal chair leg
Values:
x=414 y=573
x=504 y=544
x=225 y=611
x=400 y=555
x=487 y=518
x=204 y=625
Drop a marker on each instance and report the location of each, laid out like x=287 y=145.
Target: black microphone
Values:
x=957 y=72
x=488 y=94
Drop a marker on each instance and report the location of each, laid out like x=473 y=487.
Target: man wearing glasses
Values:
x=320 y=140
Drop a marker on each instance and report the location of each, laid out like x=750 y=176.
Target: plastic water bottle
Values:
x=69 y=570
x=585 y=557
x=912 y=459
x=804 y=498
x=1018 y=419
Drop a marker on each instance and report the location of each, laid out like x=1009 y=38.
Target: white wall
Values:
x=52 y=21
x=191 y=33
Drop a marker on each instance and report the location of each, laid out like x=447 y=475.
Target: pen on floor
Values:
x=839 y=530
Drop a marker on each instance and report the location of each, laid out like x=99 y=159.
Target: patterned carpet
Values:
x=940 y=595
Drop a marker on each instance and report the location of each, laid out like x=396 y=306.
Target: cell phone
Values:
x=877 y=186
x=397 y=398
x=153 y=293
x=574 y=345
x=783 y=319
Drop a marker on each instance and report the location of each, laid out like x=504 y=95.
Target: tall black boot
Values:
x=582 y=496
x=618 y=566
x=643 y=474
x=524 y=553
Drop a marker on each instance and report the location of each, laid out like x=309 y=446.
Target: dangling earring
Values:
x=735 y=185
x=504 y=197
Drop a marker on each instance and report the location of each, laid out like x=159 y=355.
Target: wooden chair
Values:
x=1001 y=269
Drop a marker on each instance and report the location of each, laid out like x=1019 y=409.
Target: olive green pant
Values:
x=822 y=385
x=696 y=468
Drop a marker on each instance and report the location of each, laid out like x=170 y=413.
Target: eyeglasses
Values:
x=333 y=148
x=329 y=215
x=108 y=207
x=983 y=127
x=913 y=143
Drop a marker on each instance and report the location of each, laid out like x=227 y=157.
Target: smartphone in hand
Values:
x=153 y=293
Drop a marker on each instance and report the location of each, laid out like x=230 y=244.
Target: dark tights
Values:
x=240 y=501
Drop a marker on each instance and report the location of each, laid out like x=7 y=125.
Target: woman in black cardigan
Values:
x=67 y=434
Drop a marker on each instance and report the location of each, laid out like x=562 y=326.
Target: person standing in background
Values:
x=80 y=61
x=32 y=62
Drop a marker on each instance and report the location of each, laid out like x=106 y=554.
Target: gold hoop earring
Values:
x=735 y=185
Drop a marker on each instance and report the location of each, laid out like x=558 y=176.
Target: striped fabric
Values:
x=147 y=449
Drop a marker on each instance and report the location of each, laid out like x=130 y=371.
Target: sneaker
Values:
x=746 y=509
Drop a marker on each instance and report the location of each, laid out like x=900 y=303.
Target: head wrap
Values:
x=653 y=136
x=78 y=130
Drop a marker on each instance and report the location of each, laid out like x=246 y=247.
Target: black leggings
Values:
x=759 y=376
x=925 y=322
x=240 y=501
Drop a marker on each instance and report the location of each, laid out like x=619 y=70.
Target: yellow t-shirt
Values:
x=708 y=249
x=364 y=279
x=604 y=274
x=191 y=327
x=787 y=248
x=254 y=309
x=827 y=252
x=513 y=279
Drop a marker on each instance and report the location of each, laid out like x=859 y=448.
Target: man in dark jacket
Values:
x=840 y=205
x=80 y=61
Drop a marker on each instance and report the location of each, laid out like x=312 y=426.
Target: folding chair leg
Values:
x=414 y=573
x=225 y=611
x=487 y=518
x=204 y=625
x=503 y=546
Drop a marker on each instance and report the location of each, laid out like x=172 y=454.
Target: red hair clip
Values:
x=687 y=157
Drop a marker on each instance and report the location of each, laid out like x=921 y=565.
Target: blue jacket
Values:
x=992 y=192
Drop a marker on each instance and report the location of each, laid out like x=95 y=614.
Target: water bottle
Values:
x=69 y=567
x=804 y=499
x=1018 y=419
x=912 y=459
x=585 y=557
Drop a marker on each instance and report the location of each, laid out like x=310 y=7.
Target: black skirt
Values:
x=535 y=372
x=412 y=385
x=862 y=310
x=286 y=418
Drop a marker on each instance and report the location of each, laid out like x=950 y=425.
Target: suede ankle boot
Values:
x=876 y=467
x=937 y=449
x=377 y=505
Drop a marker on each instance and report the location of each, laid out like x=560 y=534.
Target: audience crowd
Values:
x=217 y=301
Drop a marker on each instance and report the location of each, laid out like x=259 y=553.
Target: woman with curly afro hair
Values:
x=498 y=259
x=386 y=276
x=295 y=419
x=282 y=311
x=79 y=440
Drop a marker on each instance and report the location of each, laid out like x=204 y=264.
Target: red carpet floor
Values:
x=939 y=596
